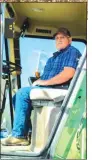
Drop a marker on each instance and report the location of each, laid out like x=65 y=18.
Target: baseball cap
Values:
x=64 y=31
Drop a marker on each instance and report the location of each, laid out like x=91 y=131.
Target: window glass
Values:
x=34 y=54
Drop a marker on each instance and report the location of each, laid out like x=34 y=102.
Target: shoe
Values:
x=13 y=141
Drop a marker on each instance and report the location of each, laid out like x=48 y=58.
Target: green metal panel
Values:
x=78 y=147
x=67 y=136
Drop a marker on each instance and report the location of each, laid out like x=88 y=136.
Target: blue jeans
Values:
x=23 y=108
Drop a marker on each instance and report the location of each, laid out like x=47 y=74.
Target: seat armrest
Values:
x=32 y=79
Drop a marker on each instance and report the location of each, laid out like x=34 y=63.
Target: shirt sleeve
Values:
x=72 y=58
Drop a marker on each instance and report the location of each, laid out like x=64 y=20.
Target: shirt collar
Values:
x=60 y=51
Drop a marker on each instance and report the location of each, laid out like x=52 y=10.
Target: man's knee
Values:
x=25 y=90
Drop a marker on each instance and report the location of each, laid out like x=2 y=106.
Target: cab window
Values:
x=34 y=54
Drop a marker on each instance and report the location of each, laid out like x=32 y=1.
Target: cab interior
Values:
x=41 y=21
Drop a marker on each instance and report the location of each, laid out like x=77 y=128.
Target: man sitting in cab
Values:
x=59 y=69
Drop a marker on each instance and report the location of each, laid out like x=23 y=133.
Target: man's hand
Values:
x=39 y=82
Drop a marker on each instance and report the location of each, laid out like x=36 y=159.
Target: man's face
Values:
x=62 y=41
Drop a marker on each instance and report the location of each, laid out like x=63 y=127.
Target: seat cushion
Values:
x=48 y=94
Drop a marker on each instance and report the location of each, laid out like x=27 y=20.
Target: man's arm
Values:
x=60 y=78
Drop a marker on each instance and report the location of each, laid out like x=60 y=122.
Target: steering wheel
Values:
x=10 y=67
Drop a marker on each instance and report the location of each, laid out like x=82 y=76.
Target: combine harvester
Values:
x=59 y=122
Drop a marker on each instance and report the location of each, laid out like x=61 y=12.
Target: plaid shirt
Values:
x=67 y=57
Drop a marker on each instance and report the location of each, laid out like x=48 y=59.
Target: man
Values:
x=59 y=69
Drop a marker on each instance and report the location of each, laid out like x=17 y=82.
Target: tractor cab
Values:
x=59 y=114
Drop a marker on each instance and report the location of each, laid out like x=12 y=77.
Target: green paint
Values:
x=75 y=115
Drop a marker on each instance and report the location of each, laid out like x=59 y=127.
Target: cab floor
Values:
x=15 y=148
